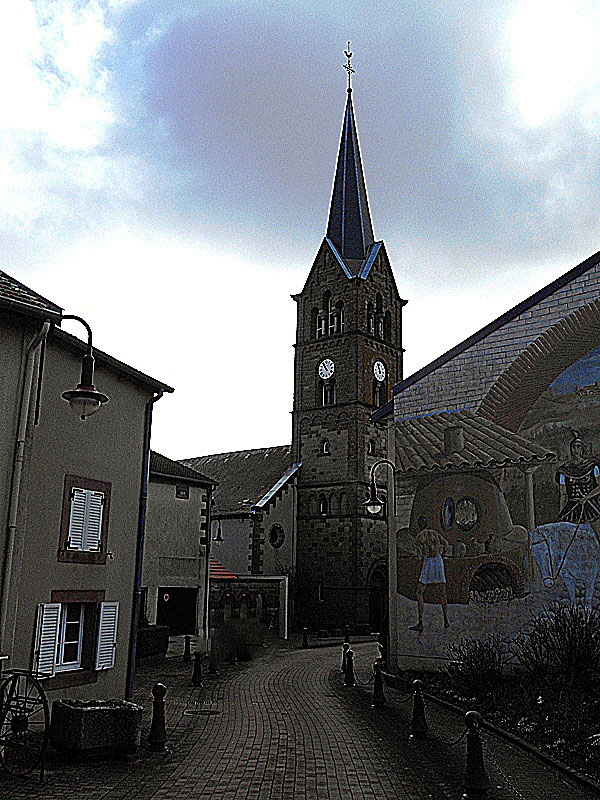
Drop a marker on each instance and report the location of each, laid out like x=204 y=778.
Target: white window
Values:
x=62 y=630
x=70 y=637
x=85 y=521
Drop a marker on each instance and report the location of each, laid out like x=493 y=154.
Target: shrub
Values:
x=562 y=647
x=476 y=666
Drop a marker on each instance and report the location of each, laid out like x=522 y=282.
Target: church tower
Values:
x=348 y=355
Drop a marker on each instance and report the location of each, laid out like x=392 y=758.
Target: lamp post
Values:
x=373 y=506
x=85 y=399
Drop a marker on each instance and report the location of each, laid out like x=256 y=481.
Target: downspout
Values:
x=139 y=552
x=205 y=610
x=17 y=476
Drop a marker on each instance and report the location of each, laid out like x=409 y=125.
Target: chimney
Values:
x=454 y=440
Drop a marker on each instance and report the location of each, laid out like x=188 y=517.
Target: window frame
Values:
x=92 y=636
x=71 y=555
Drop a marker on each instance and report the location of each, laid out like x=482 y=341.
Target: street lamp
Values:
x=373 y=507
x=85 y=399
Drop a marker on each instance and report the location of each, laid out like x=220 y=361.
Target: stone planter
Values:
x=94 y=726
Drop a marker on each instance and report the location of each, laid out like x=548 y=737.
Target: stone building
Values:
x=348 y=354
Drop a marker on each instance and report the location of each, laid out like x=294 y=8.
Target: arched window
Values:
x=314 y=323
x=339 y=317
x=325 y=447
x=321 y=325
x=379 y=392
x=371 y=448
x=378 y=304
x=323 y=506
x=328 y=392
x=321 y=593
x=370 y=319
x=387 y=326
x=343 y=503
x=380 y=327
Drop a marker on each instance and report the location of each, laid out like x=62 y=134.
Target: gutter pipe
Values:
x=17 y=476
x=139 y=553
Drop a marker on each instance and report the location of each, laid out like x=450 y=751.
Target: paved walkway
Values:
x=285 y=728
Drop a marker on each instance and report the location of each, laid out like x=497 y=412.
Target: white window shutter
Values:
x=77 y=519
x=46 y=638
x=85 y=523
x=107 y=635
x=93 y=526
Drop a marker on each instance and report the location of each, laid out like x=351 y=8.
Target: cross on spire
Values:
x=348 y=67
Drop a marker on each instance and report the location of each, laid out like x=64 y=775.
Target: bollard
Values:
x=197 y=674
x=347 y=633
x=349 y=679
x=304 y=637
x=187 y=653
x=418 y=725
x=345 y=648
x=378 y=696
x=476 y=782
x=157 y=736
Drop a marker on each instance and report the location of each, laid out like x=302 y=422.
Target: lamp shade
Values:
x=84 y=400
x=373 y=504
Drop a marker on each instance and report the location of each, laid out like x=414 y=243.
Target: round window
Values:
x=276 y=536
x=465 y=514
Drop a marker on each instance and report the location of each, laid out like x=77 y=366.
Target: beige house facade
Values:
x=72 y=500
x=177 y=548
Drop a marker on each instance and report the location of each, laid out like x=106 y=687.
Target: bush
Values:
x=477 y=665
x=562 y=647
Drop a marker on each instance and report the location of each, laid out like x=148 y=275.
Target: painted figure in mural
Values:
x=577 y=479
x=431 y=545
x=569 y=551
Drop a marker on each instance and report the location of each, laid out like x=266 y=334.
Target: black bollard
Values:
x=347 y=633
x=157 y=736
x=304 y=637
x=349 y=679
x=418 y=725
x=345 y=648
x=378 y=696
x=197 y=674
x=476 y=782
x=187 y=653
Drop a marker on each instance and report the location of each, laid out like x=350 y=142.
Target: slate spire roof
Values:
x=349 y=227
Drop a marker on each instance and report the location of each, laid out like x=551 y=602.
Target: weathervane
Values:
x=348 y=66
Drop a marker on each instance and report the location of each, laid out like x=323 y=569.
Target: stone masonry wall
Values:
x=464 y=381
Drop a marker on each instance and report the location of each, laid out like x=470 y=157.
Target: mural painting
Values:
x=466 y=569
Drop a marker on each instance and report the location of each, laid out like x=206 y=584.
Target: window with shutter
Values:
x=107 y=635
x=84 y=526
x=46 y=638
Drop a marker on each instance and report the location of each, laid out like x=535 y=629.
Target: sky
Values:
x=166 y=171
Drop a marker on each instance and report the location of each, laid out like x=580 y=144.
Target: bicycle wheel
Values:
x=24 y=724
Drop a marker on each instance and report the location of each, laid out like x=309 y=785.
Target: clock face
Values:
x=379 y=371
x=326 y=368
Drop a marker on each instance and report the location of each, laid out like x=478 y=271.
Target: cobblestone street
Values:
x=284 y=727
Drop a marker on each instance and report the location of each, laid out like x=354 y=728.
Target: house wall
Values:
x=279 y=560
x=105 y=447
x=464 y=381
x=173 y=552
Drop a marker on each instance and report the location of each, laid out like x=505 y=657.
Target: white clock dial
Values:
x=326 y=369
x=379 y=371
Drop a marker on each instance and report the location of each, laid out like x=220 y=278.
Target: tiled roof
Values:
x=420 y=444
x=219 y=572
x=14 y=294
x=163 y=467
x=244 y=476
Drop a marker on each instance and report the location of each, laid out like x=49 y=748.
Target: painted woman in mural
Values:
x=430 y=546
x=578 y=478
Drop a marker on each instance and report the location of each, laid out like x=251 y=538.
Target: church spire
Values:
x=349 y=227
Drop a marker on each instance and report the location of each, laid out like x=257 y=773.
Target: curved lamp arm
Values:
x=374 y=504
